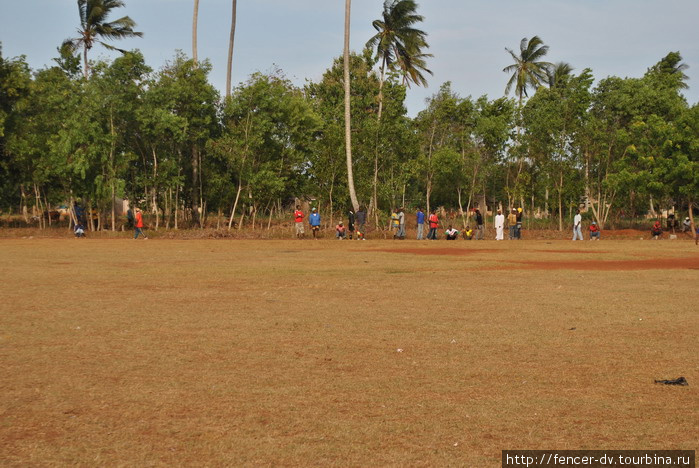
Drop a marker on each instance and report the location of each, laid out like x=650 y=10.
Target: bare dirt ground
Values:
x=117 y=352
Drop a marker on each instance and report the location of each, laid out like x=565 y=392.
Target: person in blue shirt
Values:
x=314 y=221
x=420 y=223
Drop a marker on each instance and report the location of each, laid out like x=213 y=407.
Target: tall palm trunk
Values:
x=348 y=129
x=86 y=65
x=195 y=18
x=230 y=50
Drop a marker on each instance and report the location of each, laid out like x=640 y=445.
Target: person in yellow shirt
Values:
x=395 y=223
x=468 y=233
x=512 y=223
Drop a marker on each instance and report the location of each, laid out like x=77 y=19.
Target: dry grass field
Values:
x=116 y=352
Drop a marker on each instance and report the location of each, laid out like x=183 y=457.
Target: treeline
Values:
x=169 y=143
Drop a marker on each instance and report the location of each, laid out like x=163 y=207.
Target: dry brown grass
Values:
x=285 y=353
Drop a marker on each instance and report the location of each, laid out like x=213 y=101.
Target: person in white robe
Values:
x=499 y=226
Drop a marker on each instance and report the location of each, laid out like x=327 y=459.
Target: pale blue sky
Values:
x=467 y=37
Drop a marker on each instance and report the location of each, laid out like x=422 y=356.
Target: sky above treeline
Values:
x=301 y=37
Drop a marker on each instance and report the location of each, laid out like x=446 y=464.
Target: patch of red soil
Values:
x=574 y=251
x=626 y=233
x=440 y=251
x=691 y=263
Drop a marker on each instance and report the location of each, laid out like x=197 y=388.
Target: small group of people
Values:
x=356 y=223
x=594 y=230
x=514 y=223
x=451 y=233
x=656 y=231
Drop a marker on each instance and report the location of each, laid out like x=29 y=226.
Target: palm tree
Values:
x=195 y=19
x=672 y=65
x=558 y=73
x=528 y=71
x=230 y=50
x=399 y=45
x=348 y=130
x=94 y=26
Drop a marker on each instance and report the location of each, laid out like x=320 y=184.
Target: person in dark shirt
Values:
x=479 y=225
x=361 y=222
x=350 y=223
x=518 y=230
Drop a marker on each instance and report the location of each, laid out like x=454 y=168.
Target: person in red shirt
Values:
x=139 y=225
x=434 y=224
x=340 y=231
x=594 y=231
x=298 y=222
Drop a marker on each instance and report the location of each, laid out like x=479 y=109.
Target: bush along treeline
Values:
x=166 y=141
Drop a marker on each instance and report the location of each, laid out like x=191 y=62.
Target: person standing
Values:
x=479 y=225
x=420 y=217
x=138 y=225
x=395 y=223
x=434 y=224
x=361 y=222
x=314 y=221
x=577 y=226
x=518 y=231
x=512 y=224
x=499 y=226
x=350 y=223
x=401 y=224
x=298 y=222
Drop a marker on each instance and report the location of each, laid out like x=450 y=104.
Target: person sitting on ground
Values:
x=594 y=231
x=340 y=232
x=656 y=231
x=686 y=225
x=79 y=230
x=468 y=233
x=451 y=233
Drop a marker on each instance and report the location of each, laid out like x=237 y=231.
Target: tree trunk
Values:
x=195 y=18
x=196 y=196
x=86 y=66
x=48 y=208
x=235 y=205
x=40 y=212
x=230 y=50
x=348 y=119
x=23 y=204
x=560 y=204
x=693 y=226
x=271 y=213
x=177 y=203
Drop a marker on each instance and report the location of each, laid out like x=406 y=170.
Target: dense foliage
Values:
x=168 y=142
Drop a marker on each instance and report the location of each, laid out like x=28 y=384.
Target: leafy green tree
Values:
x=94 y=27
x=269 y=133
x=554 y=118
x=183 y=90
x=15 y=87
x=395 y=140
